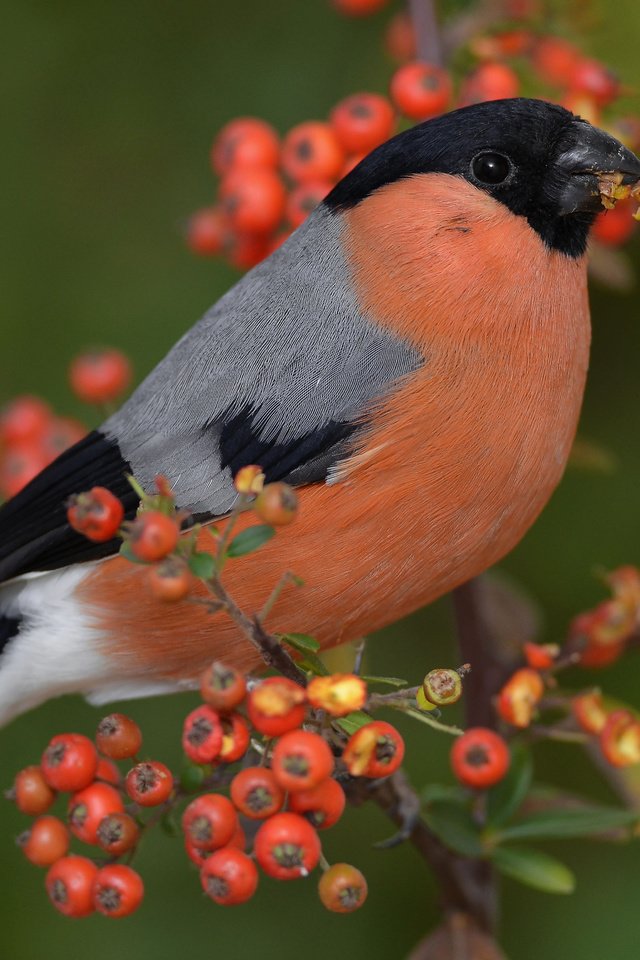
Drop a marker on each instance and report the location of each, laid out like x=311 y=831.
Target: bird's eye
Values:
x=491 y=168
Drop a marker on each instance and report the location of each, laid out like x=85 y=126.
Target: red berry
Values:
x=322 y=805
x=489 y=81
x=301 y=760
x=596 y=80
x=117 y=890
x=245 y=142
x=256 y=793
x=276 y=705
x=19 y=465
x=277 y=504
x=400 y=38
x=620 y=739
x=149 y=783
x=202 y=735
x=311 y=151
x=589 y=711
x=210 y=821
x=153 y=535
x=375 y=750
x=245 y=250
x=229 y=876
x=253 y=200
x=97 y=514
x=61 y=434
x=89 y=807
x=31 y=792
x=222 y=687
x=302 y=201
x=100 y=376
x=420 y=90
x=170 y=580
x=342 y=888
x=235 y=738
x=480 y=758
x=519 y=697
x=69 y=884
x=70 y=762
x=287 y=846
x=45 y=842
x=206 y=231
x=555 y=60
x=540 y=656
x=363 y=121
x=23 y=420
x=108 y=772
x=118 y=737
x=359 y=8
x=117 y=833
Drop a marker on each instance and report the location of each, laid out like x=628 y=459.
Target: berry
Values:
x=620 y=739
x=614 y=227
x=276 y=705
x=89 y=807
x=256 y=793
x=61 y=433
x=170 y=580
x=375 y=750
x=420 y=90
x=97 y=514
x=117 y=890
x=229 y=876
x=118 y=737
x=253 y=200
x=311 y=151
x=202 y=735
x=596 y=80
x=210 y=821
x=153 y=535
x=24 y=419
x=70 y=762
x=480 y=758
x=442 y=687
x=302 y=201
x=245 y=142
x=362 y=122
x=322 y=805
x=235 y=738
x=301 y=760
x=45 y=842
x=108 y=772
x=555 y=60
x=589 y=711
x=400 y=38
x=117 y=833
x=519 y=697
x=206 y=231
x=359 y=8
x=222 y=687
x=287 y=846
x=249 y=479
x=31 y=792
x=489 y=81
x=540 y=656
x=338 y=694
x=342 y=888
x=19 y=465
x=149 y=784
x=100 y=376
x=277 y=504
x=69 y=884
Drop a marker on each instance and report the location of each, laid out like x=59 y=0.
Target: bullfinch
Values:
x=412 y=359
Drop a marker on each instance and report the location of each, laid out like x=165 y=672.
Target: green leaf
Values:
x=534 y=869
x=202 y=565
x=192 y=777
x=353 y=721
x=300 y=641
x=506 y=797
x=313 y=664
x=454 y=825
x=249 y=540
x=548 y=824
x=389 y=681
x=437 y=792
x=126 y=552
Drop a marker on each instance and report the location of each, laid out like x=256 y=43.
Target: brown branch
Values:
x=428 y=38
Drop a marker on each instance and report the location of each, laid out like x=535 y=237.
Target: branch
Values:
x=425 y=25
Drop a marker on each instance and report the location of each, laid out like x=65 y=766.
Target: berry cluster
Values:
x=32 y=435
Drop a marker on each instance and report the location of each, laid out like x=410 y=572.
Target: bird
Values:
x=412 y=360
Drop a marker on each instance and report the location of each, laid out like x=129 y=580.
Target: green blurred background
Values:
x=109 y=112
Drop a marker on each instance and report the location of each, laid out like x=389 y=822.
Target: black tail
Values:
x=34 y=533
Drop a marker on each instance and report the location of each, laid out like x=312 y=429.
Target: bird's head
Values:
x=536 y=158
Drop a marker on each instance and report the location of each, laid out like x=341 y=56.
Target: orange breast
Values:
x=459 y=460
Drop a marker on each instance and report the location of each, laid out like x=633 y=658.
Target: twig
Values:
x=287 y=577
x=425 y=25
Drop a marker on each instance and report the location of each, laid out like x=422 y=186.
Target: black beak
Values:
x=592 y=152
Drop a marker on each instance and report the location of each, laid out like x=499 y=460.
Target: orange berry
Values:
x=88 y=807
x=338 y=694
x=277 y=504
x=363 y=121
x=96 y=514
x=276 y=705
x=256 y=793
x=222 y=687
x=45 y=842
x=301 y=760
x=589 y=711
x=620 y=739
x=100 y=376
x=24 y=419
x=229 y=876
x=31 y=792
x=117 y=890
x=152 y=535
x=304 y=198
x=359 y=8
x=253 y=199
x=519 y=697
x=170 y=580
x=69 y=884
x=489 y=81
x=322 y=805
x=118 y=737
x=287 y=846
x=421 y=90
x=342 y=888
x=375 y=750
x=70 y=762
x=206 y=231
x=555 y=60
x=245 y=142
x=400 y=38
x=311 y=151
x=480 y=758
